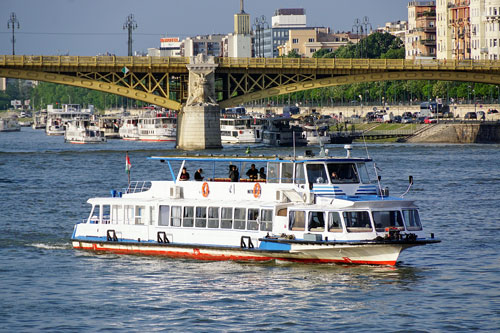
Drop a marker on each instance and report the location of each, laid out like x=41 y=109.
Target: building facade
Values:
x=309 y=40
x=420 y=40
x=209 y=45
x=239 y=43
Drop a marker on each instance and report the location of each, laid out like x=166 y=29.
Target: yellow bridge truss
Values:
x=163 y=81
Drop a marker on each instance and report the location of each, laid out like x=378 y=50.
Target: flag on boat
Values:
x=127 y=164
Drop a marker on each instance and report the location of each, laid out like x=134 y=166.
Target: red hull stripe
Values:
x=196 y=254
x=153 y=140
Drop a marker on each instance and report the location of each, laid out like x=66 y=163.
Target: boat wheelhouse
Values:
x=306 y=209
x=316 y=135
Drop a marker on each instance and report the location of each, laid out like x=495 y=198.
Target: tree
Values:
x=293 y=54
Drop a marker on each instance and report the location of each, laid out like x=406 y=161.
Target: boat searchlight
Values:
x=348 y=148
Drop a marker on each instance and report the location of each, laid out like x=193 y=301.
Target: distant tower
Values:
x=11 y=23
x=242 y=22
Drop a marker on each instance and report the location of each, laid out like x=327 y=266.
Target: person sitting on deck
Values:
x=252 y=172
x=184 y=175
x=234 y=175
x=198 y=176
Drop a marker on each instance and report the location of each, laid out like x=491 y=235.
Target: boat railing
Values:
x=138 y=186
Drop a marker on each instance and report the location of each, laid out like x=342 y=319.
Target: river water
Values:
x=46 y=285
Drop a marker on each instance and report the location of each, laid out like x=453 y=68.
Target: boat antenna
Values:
x=366 y=147
x=410 y=183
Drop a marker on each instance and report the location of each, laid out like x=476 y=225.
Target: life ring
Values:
x=204 y=189
x=256 y=190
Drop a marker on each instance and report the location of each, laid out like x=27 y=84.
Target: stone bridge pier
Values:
x=198 y=123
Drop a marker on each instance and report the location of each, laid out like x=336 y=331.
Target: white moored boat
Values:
x=241 y=130
x=157 y=126
x=9 y=124
x=83 y=131
x=128 y=130
x=309 y=209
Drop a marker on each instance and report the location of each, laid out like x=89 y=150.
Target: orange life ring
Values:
x=256 y=190
x=204 y=189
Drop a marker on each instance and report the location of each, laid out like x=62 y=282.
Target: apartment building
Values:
x=309 y=40
x=420 y=40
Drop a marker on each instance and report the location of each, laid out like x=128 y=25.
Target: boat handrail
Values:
x=138 y=186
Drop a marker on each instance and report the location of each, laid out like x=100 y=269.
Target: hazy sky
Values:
x=89 y=27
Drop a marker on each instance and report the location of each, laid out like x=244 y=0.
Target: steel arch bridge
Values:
x=164 y=80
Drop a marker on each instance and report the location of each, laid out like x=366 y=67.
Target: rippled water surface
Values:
x=46 y=285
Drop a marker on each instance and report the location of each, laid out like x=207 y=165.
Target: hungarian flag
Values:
x=127 y=164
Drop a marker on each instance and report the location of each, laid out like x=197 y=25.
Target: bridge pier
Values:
x=198 y=124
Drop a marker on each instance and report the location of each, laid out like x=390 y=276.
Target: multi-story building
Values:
x=490 y=27
x=169 y=47
x=309 y=40
x=209 y=45
x=268 y=39
x=420 y=40
x=459 y=20
x=443 y=30
x=397 y=29
x=239 y=43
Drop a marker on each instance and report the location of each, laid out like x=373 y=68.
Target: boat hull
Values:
x=368 y=254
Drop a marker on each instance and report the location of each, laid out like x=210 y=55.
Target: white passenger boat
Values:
x=57 y=119
x=279 y=132
x=309 y=209
x=83 y=131
x=9 y=124
x=110 y=126
x=316 y=135
x=241 y=130
x=128 y=130
x=157 y=126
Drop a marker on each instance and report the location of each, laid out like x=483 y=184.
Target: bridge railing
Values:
x=38 y=60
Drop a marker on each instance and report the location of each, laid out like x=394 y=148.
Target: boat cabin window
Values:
x=139 y=212
x=297 y=220
x=239 y=218
x=188 y=220
x=316 y=173
x=226 y=221
x=316 y=221
x=106 y=214
x=152 y=215
x=213 y=217
x=357 y=221
x=129 y=214
x=286 y=172
x=334 y=223
x=176 y=216
x=116 y=214
x=363 y=173
x=164 y=212
x=266 y=220
x=342 y=173
x=273 y=172
x=282 y=212
x=201 y=217
x=387 y=219
x=412 y=219
x=253 y=215
x=95 y=214
x=300 y=177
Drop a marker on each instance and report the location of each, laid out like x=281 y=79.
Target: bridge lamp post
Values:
x=11 y=24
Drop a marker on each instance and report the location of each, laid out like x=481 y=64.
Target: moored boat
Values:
x=240 y=129
x=157 y=126
x=83 y=131
x=307 y=209
x=9 y=124
x=128 y=130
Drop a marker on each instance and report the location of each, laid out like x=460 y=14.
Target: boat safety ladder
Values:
x=162 y=237
x=111 y=236
x=246 y=242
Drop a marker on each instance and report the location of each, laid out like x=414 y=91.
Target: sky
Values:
x=91 y=27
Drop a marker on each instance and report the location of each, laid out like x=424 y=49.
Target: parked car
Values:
x=407 y=115
x=429 y=120
x=406 y=120
x=470 y=115
x=420 y=120
x=492 y=111
x=397 y=119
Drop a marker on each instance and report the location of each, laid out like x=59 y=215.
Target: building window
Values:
x=312 y=50
x=311 y=40
x=295 y=40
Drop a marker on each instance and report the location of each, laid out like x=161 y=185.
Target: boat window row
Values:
x=353 y=221
x=239 y=218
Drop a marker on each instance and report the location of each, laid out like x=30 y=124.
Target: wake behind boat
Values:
x=307 y=209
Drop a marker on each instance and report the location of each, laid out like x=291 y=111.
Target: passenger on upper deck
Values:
x=234 y=175
x=184 y=175
x=252 y=172
x=262 y=173
x=197 y=175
